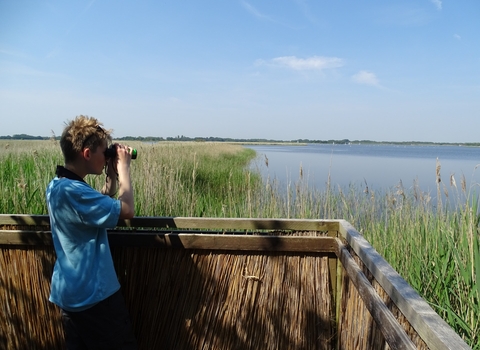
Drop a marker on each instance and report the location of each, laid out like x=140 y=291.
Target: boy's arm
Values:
x=110 y=187
x=125 y=189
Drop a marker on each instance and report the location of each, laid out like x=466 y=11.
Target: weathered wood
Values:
x=393 y=333
x=24 y=219
x=232 y=223
x=434 y=331
x=338 y=291
x=304 y=244
x=196 y=223
x=21 y=237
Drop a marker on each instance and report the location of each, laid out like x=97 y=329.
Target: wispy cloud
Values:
x=303 y=5
x=255 y=12
x=55 y=51
x=312 y=63
x=437 y=3
x=403 y=14
x=366 y=78
x=12 y=53
x=16 y=69
x=456 y=36
x=263 y=17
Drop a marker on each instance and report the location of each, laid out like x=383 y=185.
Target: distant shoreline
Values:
x=298 y=142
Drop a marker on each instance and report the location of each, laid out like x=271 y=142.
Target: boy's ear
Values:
x=86 y=153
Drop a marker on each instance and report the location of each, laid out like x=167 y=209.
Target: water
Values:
x=380 y=167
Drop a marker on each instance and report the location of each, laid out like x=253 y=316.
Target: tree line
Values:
x=256 y=140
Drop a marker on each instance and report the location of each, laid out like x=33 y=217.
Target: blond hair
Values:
x=80 y=133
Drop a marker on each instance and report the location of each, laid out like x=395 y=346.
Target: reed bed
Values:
x=434 y=245
x=169 y=179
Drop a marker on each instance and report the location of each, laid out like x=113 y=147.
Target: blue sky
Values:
x=396 y=70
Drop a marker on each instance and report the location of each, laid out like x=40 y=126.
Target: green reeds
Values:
x=169 y=179
x=25 y=169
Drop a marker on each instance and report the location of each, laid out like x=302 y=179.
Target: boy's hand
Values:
x=125 y=190
x=124 y=155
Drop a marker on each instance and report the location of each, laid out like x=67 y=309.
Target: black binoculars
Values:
x=111 y=152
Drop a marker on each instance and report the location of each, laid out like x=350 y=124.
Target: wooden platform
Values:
x=210 y=283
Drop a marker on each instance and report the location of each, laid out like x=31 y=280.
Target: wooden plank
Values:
x=22 y=219
x=232 y=223
x=338 y=295
x=195 y=223
x=392 y=331
x=434 y=331
x=21 y=237
x=305 y=244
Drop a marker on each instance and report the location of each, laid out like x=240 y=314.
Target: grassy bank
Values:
x=436 y=248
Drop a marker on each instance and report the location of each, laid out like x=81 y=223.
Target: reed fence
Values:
x=208 y=283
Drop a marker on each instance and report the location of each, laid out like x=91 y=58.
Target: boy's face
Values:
x=97 y=159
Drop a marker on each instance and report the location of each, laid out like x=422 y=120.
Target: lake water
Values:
x=379 y=167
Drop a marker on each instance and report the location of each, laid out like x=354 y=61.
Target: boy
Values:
x=84 y=282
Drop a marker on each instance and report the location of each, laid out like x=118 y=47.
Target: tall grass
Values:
x=436 y=249
x=192 y=179
x=169 y=179
x=26 y=167
x=434 y=245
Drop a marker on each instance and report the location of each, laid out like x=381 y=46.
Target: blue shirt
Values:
x=79 y=217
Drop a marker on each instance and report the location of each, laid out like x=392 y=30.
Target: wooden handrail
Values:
x=305 y=245
x=194 y=223
x=434 y=331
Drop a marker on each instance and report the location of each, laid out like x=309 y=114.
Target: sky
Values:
x=397 y=70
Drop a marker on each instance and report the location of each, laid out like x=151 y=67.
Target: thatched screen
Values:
x=194 y=283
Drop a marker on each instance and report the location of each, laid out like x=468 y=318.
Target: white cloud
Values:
x=311 y=63
x=366 y=78
x=437 y=3
x=456 y=36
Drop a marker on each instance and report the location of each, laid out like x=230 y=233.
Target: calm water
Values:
x=378 y=166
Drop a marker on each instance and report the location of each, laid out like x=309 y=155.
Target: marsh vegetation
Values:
x=435 y=248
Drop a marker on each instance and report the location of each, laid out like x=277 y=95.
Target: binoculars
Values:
x=111 y=152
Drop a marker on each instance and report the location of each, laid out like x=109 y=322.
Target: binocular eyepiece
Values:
x=111 y=152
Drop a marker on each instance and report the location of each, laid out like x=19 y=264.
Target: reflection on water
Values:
x=381 y=167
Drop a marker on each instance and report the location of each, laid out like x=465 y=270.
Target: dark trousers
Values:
x=106 y=325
